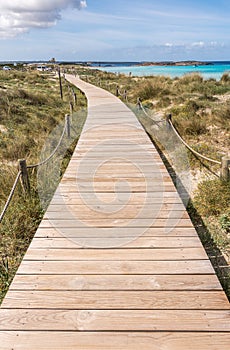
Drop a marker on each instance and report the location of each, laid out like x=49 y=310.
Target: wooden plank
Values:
x=115 y=320
x=148 y=208
x=116 y=254
x=111 y=179
x=116 y=282
x=121 y=187
x=135 y=222
x=104 y=198
x=116 y=213
x=192 y=267
x=165 y=300
x=24 y=340
x=118 y=233
x=140 y=242
x=169 y=197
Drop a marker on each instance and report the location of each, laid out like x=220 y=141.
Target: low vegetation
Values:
x=30 y=109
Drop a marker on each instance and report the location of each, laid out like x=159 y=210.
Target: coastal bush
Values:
x=206 y=150
x=30 y=108
x=225 y=221
x=222 y=112
x=212 y=197
x=192 y=125
x=225 y=78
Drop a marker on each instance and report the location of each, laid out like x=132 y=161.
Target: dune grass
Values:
x=30 y=109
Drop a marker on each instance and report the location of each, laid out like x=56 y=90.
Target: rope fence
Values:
x=23 y=172
x=225 y=161
x=10 y=196
x=23 y=175
x=169 y=120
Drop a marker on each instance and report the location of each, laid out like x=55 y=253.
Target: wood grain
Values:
x=116 y=282
x=166 y=300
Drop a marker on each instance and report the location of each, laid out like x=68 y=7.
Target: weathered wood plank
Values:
x=115 y=320
x=116 y=254
x=140 y=242
x=116 y=282
x=165 y=300
x=116 y=267
x=114 y=212
x=24 y=340
x=115 y=223
x=118 y=233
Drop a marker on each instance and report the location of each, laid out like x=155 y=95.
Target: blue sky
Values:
x=129 y=30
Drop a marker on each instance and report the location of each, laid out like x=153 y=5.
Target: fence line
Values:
x=140 y=105
x=10 y=196
x=225 y=162
x=54 y=151
x=169 y=119
x=20 y=175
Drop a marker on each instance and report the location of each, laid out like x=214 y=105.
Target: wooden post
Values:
x=75 y=98
x=139 y=103
x=71 y=108
x=169 y=119
x=24 y=176
x=67 y=120
x=117 y=91
x=60 y=82
x=125 y=95
x=224 y=172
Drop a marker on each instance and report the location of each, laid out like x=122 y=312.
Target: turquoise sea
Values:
x=214 y=70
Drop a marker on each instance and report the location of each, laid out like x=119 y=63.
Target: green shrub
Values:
x=225 y=78
x=225 y=221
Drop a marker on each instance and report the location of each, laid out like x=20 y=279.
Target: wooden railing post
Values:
x=139 y=103
x=71 y=108
x=168 y=120
x=24 y=176
x=75 y=98
x=67 y=120
x=224 y=172
x=117 y=91
x=60 y=82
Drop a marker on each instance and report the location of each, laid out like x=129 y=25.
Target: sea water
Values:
x=215 y=70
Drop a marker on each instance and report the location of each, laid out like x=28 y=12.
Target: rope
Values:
x=30 y=167
x=10 y=196
x=173 y=128
x=52 y=154
x=147 y=115
x=190 y=148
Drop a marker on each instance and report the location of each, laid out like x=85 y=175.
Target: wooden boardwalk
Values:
x=116 y=262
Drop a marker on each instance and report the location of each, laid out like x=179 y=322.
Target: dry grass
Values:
x=30 y=108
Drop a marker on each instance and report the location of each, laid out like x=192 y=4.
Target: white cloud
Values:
x=19 y=16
